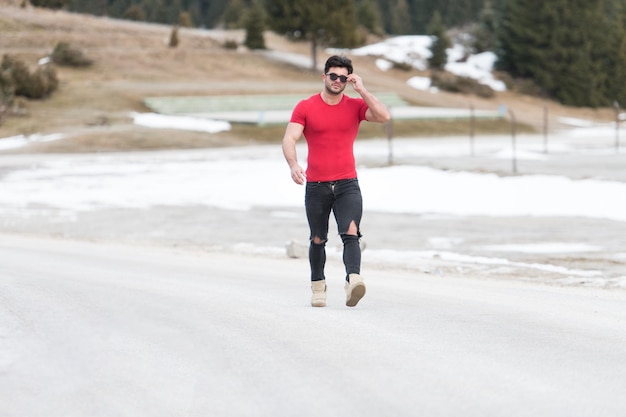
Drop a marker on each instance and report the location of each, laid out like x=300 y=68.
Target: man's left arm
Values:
x=377 y=111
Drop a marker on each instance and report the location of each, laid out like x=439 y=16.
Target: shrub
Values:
x=528 y=87
x=7 y=92
x=65 y=55
x=230 y=44
x=135 y=13
x=18 y=74
x=455 y=84
x=174 y=37
x=7 y=88
x=185 y=20
x=43 y=82
x=18 y=81
x=404 y=66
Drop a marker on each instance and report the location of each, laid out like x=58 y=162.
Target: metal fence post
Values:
x=472 y=128
x=389 y=131
x=513 y=150
x=545 y=127
x=617 y=121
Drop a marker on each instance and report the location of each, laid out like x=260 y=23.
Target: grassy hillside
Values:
x=132 y=61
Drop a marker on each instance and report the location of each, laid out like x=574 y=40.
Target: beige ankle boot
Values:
x=318 y=299
x=355 y=290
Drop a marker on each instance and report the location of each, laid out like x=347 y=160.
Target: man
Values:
x=330 y=122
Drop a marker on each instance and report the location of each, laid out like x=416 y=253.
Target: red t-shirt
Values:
x=330 y=132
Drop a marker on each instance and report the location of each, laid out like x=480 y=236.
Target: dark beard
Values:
x=334 y=93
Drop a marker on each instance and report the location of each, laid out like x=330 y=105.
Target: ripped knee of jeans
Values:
x=353 y=230
x=345 y=238
x=316 y=240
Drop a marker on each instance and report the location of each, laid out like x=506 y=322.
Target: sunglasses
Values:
x=334 y=77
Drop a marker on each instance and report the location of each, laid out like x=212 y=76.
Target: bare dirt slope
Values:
x=133 y=61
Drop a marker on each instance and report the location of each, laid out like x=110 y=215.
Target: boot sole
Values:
x=356 y=294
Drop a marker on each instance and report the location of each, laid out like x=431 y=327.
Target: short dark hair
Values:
x=337 y=61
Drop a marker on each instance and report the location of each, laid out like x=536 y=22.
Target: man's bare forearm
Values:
x=380 y=113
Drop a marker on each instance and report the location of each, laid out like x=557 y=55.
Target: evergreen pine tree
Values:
x=324 y=22
x=135 y=12
x=520 y=34
x=485 y=32
x=616 y=82
x=155 y=10
x=368 y=16
x=118 y=7
x=254 y=22
x=50 y=4
x=400 y=17
x=581 y=79
x=440 y=45
x=560 y=45
x=234 y=15
x=95 y=7
x=344 y=26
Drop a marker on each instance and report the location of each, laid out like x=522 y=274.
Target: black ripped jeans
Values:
x=343 y=198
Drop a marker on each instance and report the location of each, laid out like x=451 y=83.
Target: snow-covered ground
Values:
x=61 y=188
x=233 y=179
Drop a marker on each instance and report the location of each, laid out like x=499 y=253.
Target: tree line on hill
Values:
x=571 y=50
x=391 y=16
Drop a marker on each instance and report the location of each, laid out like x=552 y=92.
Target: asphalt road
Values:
x=102 y=329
